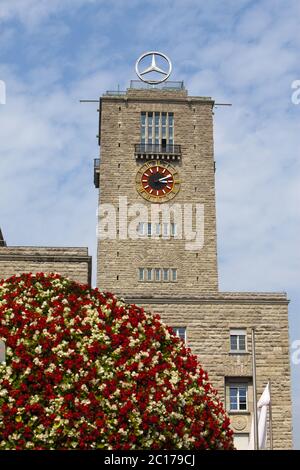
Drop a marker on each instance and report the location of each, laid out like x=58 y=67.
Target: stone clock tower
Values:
x=157 y=242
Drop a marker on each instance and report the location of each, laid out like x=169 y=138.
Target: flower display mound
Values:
x=84 y=370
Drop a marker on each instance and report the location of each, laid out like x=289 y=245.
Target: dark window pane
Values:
x=233 y=342
x=242 y=343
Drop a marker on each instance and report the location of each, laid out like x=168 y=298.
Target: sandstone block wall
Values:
x=193 y=130
x=74 y=263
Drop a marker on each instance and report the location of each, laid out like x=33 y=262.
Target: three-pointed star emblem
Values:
x=153 y=68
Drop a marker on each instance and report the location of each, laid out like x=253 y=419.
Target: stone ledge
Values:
x=217 y=298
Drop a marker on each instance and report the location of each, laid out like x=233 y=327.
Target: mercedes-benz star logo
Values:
x=153 y=68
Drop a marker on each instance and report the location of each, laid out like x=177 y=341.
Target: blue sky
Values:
x=54 y=53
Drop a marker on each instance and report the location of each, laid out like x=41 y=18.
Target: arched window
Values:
x=2 y=350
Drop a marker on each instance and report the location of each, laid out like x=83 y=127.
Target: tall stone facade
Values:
x=180 y=282
x=120 y=130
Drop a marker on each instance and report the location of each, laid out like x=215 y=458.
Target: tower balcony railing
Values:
x=96 y=172
x=157 y=151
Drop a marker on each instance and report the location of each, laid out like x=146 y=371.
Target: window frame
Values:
x=149 y=271
x=157 y=271
x=166 y=270
x=238 y=386
x=156 y=126
x=238 y=333
x=141 y=274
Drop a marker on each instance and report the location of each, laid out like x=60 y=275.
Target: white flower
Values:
x=38 y=349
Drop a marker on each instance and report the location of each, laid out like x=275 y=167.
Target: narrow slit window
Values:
x=141 y=274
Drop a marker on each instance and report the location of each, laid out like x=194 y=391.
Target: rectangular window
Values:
x=149 y=274
x=149 y=229
x=180 y=332
x=141 y=274
x=150 y=128
x=174 y=274
x=238 y=397
x=141 y=228
x=165 y=229
x=165 y=274
x=157 y=274
x=143 y=128
x=157 y=229
x=157 y=128
x=171 y=127
x=238 y=340
x=173 y=229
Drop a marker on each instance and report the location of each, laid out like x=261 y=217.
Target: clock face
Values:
x=157 y=181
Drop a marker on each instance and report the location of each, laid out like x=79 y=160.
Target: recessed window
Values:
x=238 y=340
x=157 y=274
x=173 y=229
x=165 y=274
x=141 y=228
x=180 y=331
x=2 y=351
x=165 y=230
x=157 y=128
x=141 y=274
x=238 y=394
x=238 y=397
x=157 y=229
